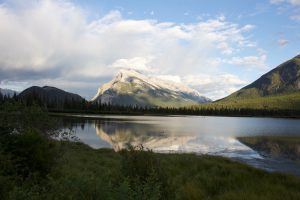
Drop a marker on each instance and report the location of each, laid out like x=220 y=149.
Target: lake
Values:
x=180 y=134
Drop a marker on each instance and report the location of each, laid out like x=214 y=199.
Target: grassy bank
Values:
x=84 y=173
x=282 y=146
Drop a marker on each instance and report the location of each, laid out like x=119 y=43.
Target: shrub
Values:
x=145 y=177
x=31 y=153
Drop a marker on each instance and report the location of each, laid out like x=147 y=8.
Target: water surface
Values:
x=197 y=134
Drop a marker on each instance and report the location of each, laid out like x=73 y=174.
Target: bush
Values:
x=31 y=153
x=145 y=178
x=27 y=154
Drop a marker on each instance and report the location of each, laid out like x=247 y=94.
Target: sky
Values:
x=214 y=46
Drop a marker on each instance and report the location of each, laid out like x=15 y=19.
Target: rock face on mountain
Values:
x=7 y=92
x=130 y=87
x=49 y=96
x=284 y=79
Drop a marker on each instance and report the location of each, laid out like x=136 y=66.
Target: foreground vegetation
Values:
x=34 y=166
x=84 y=173
x=280 y=146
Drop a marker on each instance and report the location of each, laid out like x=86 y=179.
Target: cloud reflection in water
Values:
x=120 y=134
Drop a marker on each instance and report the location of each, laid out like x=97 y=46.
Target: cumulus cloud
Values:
x=56 y=40
x=251 y=62
x=174 y=78
x=215 y=86
x=136 y=63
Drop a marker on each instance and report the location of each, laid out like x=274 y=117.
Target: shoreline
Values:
x=59 y=113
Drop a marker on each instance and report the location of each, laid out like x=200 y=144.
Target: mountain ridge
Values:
x=130 y=87
x=50 y=96
x=283 y=79
x=278 y=89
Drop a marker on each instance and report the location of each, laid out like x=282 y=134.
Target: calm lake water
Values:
x=197 y=134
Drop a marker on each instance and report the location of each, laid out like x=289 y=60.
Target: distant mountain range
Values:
x=7 y=92
x=130 y=87
x=277 y=89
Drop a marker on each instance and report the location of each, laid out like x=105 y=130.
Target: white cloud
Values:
x=136 y=63
x=215 y=86
x=56 y=40
x=292 y=2
x=251 y=62
x=295 y=17
x=174 y=78
x=292 y=7
x=282 y=42
x=277 y=1
x=225 y=48
x=248 y=27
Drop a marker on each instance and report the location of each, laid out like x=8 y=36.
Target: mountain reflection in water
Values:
x=213 y=136
x=120 y=134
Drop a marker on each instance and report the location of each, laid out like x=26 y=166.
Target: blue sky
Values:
x=272 y=20
x=214 y=46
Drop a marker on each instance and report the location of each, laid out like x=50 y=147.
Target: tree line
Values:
x=73 y=106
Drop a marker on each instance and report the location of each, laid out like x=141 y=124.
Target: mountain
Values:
x=8 y=92
x=277 y=89
x=284 y=79
x=51 y=96
x=130 y=87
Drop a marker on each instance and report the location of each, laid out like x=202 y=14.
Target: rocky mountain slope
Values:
x=284 y=79
x=130 y=87
x=279 y=89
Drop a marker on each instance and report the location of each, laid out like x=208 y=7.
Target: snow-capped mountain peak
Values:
x=136 y=88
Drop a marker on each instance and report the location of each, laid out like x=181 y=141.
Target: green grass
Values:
x=285 y=146
x=85 y=173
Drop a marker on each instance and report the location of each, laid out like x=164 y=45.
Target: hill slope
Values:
x=277 y=89
x=282 y=80
x=50 y=96
x=130 y=87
